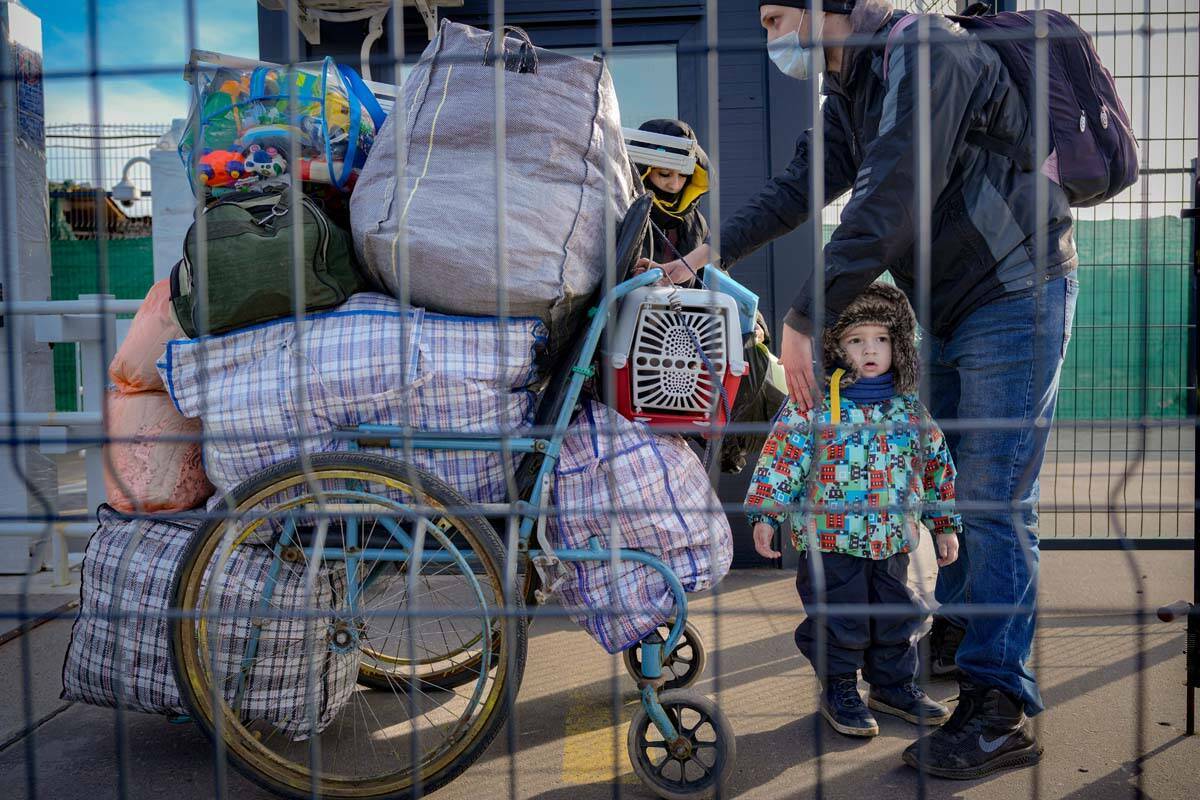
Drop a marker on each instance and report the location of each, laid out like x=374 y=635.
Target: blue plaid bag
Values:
x=120 y=649
x=618 y=479
x=265 y=391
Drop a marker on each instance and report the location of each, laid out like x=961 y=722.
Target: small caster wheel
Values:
x=682 y=667
x=695 y=766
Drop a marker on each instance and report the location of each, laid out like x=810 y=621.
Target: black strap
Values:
x=524 y=61
x=977 y=9
x=1010 y=151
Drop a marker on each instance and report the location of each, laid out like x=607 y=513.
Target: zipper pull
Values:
x=277 y=210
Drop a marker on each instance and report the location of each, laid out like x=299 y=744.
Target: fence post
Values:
x=173 y=203
x=1193 y=411
x=94 y=368
x=26 y=367
x=93 y=333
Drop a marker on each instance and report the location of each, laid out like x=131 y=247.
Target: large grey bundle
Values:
x=425 y=209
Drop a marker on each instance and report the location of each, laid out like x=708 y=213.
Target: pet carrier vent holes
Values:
x=669 y=371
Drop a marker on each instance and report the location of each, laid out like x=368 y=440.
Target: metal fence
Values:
x=409 y=508
x=80 y=160
x=85 y=156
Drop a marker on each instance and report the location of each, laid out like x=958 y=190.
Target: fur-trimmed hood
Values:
x=879 y=304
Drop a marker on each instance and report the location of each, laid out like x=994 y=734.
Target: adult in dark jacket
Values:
x=998 y=312
x=680 y=226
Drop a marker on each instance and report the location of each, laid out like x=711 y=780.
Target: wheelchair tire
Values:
x=703 y=763
x=682 y=667
x=275 y=750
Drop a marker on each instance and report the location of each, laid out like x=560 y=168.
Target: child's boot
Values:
x=944 y=639
x=908 y=702
x=842 y=706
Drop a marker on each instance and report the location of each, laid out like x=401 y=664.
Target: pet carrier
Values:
x=678 y=356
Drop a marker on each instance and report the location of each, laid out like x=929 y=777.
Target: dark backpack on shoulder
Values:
x=1092 y=150
x=249 y=266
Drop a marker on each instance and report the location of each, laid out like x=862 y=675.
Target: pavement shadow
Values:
x=600 y=790
x=764 y=756
x=540 y=735
x=801 y=739
x=738 y=664
x=761 y=757
x=1122 y=782
x=1111 y=673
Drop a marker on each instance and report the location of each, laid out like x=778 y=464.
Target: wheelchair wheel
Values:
x=682 y=667
x=697 y=765
x=445 y=655
x=300 y=584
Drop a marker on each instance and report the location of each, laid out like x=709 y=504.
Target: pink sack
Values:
x=160 y=475
x=132 y=368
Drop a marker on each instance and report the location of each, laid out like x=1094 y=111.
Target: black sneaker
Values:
x=988 y=732
x=908 y=702
x=944 y=639
x=842 y=706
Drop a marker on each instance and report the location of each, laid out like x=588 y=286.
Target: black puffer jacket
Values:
x=984 y=216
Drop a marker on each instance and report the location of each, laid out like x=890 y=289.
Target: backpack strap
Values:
x=897 y=29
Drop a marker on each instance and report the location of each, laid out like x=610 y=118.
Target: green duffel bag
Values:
x=250 y=263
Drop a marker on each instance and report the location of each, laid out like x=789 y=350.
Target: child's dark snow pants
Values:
x=883 y=647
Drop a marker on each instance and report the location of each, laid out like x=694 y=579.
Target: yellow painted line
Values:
x=594 y=749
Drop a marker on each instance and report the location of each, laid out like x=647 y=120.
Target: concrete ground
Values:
x=569 y=747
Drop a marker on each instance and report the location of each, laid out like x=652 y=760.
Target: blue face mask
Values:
x=792 y=58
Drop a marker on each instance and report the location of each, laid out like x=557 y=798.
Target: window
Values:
x=645 y=77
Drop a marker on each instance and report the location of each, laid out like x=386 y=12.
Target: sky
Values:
x=140 y=35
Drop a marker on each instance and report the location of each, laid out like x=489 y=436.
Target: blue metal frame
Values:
x=653 y=649
x=400 y=438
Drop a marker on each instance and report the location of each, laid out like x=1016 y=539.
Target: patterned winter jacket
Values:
x=866 y=480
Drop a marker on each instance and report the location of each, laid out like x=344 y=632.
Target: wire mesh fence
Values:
x=81 y=160
x=396 y=426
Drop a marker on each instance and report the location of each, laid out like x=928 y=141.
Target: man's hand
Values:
x=947 y=548
x=676 y=271
x=796 y=356
x=764 y=534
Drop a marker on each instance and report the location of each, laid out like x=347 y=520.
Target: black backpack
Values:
x=1092 y=150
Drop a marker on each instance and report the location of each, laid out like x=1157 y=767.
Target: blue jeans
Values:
x=1001 y=363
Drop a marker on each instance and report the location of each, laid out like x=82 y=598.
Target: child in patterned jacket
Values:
x=853 y=476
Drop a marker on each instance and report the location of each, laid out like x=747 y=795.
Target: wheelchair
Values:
x=430 y=607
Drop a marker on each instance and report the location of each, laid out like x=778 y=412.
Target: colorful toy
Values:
x=236 y=87
x=292 y=116
x=317 y=169
x=280 y=137
x=220 y=122
x=263 y=162
x=220 y=168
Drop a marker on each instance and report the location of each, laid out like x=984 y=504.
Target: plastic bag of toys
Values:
x=250 y=125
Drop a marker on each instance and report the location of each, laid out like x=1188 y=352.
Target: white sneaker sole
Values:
x=847 y=730
x=929 y=721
